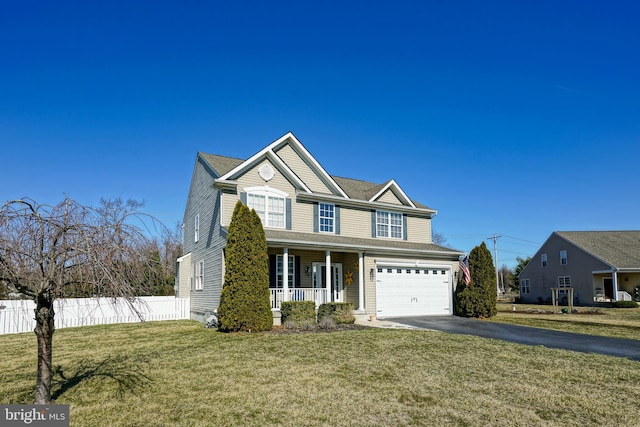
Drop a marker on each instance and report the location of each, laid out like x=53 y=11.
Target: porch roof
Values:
x=322 y=241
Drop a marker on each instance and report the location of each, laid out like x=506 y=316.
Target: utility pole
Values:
x=495 y=255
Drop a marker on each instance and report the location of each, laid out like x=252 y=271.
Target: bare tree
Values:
x=50 y=252
x=439 y=239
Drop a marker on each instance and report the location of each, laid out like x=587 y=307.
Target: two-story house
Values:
x=599 y=266
x=329 y=238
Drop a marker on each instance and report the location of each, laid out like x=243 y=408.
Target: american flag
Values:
x=464 y=268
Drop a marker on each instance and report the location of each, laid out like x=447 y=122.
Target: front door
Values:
x=335 y=287
x=607 y=282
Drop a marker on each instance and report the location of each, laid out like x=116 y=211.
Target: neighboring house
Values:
x=600 y=266
x=329 y=238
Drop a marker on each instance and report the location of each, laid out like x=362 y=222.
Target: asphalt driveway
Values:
x=525 y=335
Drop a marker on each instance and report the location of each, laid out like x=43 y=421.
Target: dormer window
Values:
x=269 y=204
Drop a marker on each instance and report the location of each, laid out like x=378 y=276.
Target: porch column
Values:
x=285 y=274
x=361 y=281
x=327 y=276
x=614 y=279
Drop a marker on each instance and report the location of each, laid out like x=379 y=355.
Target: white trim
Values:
x=409 y=264
x=389 y=225
x=266 y=193
x=416 y=211
x=390 y=184
x=333 y=218
x=266 y=189
x=269 y=153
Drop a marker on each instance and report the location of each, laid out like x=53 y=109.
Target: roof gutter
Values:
x=310 y=197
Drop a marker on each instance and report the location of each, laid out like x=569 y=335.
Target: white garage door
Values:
x=403 y=291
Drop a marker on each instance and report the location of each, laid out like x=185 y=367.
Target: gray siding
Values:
x=204 y=200
x=579 y=267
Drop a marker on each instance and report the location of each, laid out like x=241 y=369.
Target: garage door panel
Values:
x=412 y=292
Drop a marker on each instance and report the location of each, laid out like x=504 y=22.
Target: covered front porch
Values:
x=318 y=276
x=615 y=285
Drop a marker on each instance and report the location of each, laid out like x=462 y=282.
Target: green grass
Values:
x=609 y=322
x=181 y=374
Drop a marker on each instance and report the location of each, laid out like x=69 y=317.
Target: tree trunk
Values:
x=44 y=333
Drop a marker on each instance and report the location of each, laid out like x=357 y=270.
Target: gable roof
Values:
x=228 y=167
x=620 y=249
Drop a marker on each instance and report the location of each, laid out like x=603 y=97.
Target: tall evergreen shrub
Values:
x=479 y=299
x=244 y=302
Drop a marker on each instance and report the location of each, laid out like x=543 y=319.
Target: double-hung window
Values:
x=543 y=258
x=196 y=228
x=563 y=257
x=389 y=224
x=525 y=288
x=326 y=217
x=270 y=206
x=199 y=276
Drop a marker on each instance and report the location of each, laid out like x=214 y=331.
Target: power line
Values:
x=522 y=240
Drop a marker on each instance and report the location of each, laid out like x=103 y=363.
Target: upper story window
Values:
x=196 y=228
x=326 y=217
x=389 y=224
x=563 y=257
x=543 y=258
x=269 y=204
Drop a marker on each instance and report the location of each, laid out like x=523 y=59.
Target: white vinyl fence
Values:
x=18 y=316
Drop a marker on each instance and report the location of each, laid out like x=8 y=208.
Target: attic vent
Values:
x=266 y=172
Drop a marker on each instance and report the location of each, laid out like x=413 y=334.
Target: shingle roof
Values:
x=621 y=249
x=355 y=188
x=221 y=164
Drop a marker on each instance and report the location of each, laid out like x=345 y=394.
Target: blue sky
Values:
x=509 y=118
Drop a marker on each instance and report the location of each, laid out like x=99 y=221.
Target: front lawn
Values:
x=178 y=373
x=608 y=322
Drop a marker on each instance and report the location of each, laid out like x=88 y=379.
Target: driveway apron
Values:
x=618 y=347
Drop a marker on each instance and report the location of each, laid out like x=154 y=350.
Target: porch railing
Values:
x=623 y=296
x=319 y=296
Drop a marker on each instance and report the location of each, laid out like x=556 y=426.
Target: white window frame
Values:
x=273 y=209
x=563 y=258
x=196 y=228
x=525 y=286
x=199 y=282
x=192 y=277
x=389 y=225
x=326 y=217
x=280 y=273
x=543 y=260
x=564 y=283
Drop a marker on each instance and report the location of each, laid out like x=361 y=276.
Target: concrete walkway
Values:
x=517 y=334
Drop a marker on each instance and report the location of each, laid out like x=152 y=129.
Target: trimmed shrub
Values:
x=625 y=304
x=245 y=299
x=298 y=311
x=341 y=312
